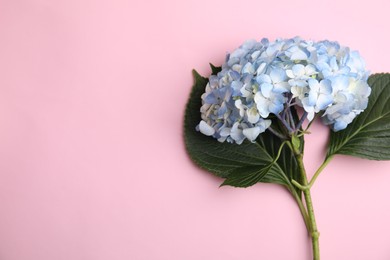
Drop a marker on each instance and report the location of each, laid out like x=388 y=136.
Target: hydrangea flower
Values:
x=263 y=80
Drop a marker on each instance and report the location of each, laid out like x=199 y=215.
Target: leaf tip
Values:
x=223 y=184
x=214 y=69
x=196 y=74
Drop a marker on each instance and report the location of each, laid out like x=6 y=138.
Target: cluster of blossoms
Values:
x=260 y=80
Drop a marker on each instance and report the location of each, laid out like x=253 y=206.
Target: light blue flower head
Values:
x=261 y=80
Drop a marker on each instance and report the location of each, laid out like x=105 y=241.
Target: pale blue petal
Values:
x=205 y=129
x=278 y=75
x=210 y=98
x=340 y=83
x=322 y=65
x=323 y=101
x=333 y=64
x=234 y=75
x=222 y=110
x=282 y=87
x=263 y=78
x=233 y=60
x=266 y=89
x=249 y=44
x=261 y=68
x=326 y=86
x=276 y=107
x=339 y=125
x=213 y=81
x=314 y=85
x=298 y=55
x=236 y=134
x=312 y=98
x=237 y=54
x=298 y=70
x=236 y=87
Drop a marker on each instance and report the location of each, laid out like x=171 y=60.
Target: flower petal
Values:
x=298 y=55
x=290 y=74
x=298 y=70
x=323 y=101
x=278 y=75
x=205 y=129
x=253 y=115
x=248 y=68
x=326 y=86
x=266 y=89
x=251 y=133
x=261 y=68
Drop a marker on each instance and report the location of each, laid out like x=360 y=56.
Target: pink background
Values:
x=92 y=161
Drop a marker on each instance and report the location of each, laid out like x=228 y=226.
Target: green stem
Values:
x=301 y=208
x=315 y=176
x=309 y=206
x=314 y=231
x=279 y=152
x=293 y=191
x=317 y=173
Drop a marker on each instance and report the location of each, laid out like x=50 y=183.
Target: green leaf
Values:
x=246 y=176
x=226 y=160
x=368 y=136
x=214 y=69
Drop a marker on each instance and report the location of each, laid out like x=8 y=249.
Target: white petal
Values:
x=237 y=67
x=310 y=115
x=264 y=124
x=205 y=129
x=240 y=106
x=310 y=70
x=299 y=70
x=236 y=134
x=255 y=55
x=261 y=68
x=245 y=92
x=340 y=83
x=252 y=133
x=238 y=103
x=225 y=131
x=262 y=105
x=282 y=87
x=253 y=115
x=248 y=68
x=290 y=74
